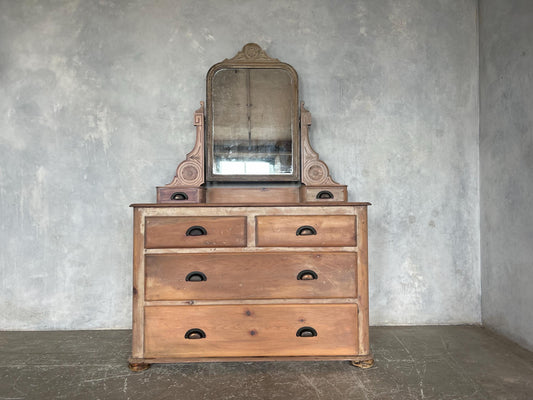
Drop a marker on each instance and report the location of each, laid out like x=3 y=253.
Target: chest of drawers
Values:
x=215 y=282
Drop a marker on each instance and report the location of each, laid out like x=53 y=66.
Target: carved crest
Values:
x=252 y=52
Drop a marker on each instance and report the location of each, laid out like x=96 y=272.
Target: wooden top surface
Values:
x=317 y=204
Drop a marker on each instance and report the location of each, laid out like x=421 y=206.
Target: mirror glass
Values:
x=252 y=122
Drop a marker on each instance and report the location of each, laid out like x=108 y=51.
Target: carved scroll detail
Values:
x=252 y=52
x=190 y=172
x=314 y=171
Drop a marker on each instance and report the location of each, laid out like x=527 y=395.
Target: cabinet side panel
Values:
x=362 y=279
x=138 y=284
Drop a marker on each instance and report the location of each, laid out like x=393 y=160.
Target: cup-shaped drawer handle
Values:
x=305 y=230
x=196 y=276
x=325 y=194
x=179 y=196
x=307 y=275
x=196 y=231
x=306 y=331
x=195 y=333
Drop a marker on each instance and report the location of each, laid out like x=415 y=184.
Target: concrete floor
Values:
x=431 y=362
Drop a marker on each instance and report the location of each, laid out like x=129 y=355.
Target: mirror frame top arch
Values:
x=252 y=57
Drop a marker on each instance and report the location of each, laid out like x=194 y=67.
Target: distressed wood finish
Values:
x=237 y=276
x=263 y=194
x=253 y=56
x=177 y=194
x=259 y=330
x=330 y=230
x=315 y=172
x=362 y=282
x=146 y=362
x=321 y=194
x=138 y=285
x=242 y=268
x=251 y=303
x=190 y=172
x=172 y=232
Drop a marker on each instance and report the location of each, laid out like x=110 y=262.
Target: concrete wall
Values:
x=506 y=156
x=96 y=103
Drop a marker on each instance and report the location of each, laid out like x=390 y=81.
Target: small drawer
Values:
x=250 y=276
x=306 y=231
x=251 y=330
x=165 y=232
x=310 y=194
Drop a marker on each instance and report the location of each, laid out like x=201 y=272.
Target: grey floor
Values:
x=444 y=362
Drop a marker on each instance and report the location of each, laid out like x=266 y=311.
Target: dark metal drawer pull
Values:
x=179 y=196
x=196 y=276
x=195 y=334
x=196 y=231
x=305 y=230
x=306 y=331
x=324 y=194
x=307 y=275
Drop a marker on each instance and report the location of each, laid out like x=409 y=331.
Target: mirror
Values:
x=252 y=119
x=252 y=124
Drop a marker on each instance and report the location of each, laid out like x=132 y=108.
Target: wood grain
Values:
x=138 y=285
x=162 y=232
x=250 y=267
x=172 y=360
x=194 y=195
x=250 y=276
x=253 y=195
x=362 y=281
x=260 y=330
x=230 y=206
x=331 y=230
x=309 y=194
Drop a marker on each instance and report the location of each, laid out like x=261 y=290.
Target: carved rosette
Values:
x=190 y=172
x=314 y=171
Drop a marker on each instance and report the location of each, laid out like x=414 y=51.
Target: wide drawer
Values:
x=165 y=232
x=251 y=330
x=306 y=230
x=250 y=276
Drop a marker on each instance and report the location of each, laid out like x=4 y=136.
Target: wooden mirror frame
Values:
x=253 y=57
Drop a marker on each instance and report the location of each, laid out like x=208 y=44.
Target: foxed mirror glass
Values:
x=252 y=119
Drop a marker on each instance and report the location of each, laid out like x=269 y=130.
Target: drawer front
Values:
x=250 y=276
x=323 y=194
x=306 y=230
x=251 y=330
x=165 y=232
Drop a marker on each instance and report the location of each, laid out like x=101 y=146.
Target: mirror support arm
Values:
x=314 y=171
x=190 y=174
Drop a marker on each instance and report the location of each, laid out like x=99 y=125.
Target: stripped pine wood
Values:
x=237 y=276
x=251 y=258
x=251 y=330
x=314 y=230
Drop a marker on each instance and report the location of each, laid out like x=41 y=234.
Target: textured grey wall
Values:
x=506 y=156
x=96 y=103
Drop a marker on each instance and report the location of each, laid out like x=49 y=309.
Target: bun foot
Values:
x=138 y=367
x=363 y=364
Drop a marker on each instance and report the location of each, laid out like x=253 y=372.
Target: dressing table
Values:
x=252 y=252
